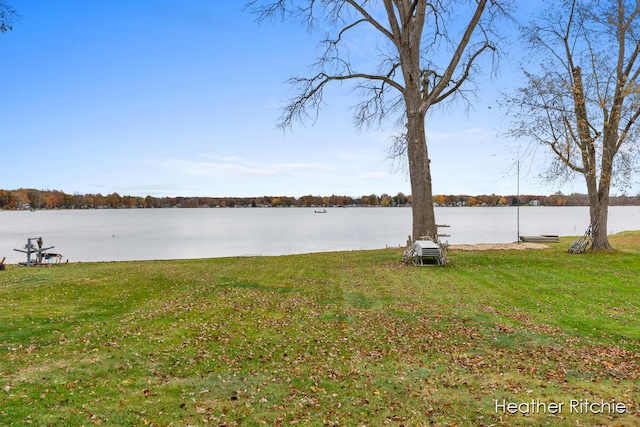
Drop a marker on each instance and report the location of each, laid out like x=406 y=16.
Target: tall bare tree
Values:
x=427 y=53
x=583 y=103
x=7 y=16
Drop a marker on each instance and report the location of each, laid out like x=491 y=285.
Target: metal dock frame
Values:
x=31 y=249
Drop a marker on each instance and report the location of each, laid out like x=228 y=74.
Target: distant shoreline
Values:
x=28 y=199
x=523 y=205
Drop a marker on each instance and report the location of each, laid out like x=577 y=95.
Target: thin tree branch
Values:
x=370 y=19
x=465 y=74
x=455 y=59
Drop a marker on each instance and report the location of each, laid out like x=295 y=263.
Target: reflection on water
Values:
x=139 y=234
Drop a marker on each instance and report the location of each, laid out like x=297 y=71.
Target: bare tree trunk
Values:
x=424 y=222
x=599 y=212
x=598 y=194
x=599 y=202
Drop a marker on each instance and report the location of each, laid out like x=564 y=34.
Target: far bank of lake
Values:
x=153 y=234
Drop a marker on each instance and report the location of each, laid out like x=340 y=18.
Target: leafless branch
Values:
x=8 y=16
x=311 y=93
x=439 y=92
x=601 y=116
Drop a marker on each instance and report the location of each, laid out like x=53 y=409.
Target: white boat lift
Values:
x=427 y=251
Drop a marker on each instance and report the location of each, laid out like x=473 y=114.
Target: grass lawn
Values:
x=350 y=339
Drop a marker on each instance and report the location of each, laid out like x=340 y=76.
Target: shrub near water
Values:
x=351 y=338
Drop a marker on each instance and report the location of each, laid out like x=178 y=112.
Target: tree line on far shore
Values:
x=55 y=199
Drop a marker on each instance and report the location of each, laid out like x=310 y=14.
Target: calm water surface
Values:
x=141 y=234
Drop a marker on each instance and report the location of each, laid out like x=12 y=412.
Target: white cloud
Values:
x=356 y=155
x=372 y=175
x=461 y=135
x=234 y=166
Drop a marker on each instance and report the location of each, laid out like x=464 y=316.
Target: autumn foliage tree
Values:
x=427 y=53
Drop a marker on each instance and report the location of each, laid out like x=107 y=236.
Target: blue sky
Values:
x=175 y=98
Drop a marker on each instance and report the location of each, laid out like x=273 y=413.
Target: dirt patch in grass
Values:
x=499 y=246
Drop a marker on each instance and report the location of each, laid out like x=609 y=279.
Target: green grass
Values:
x=351 y=338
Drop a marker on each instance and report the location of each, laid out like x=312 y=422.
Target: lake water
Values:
x=145 y=234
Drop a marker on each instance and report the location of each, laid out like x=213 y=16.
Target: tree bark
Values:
x=598 y=194
x=599 y=202
x=599 y=211
x=424 y=221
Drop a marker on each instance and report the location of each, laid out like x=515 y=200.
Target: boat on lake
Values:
x=544 y=238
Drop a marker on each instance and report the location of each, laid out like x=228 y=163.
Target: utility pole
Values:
x=518 y=205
